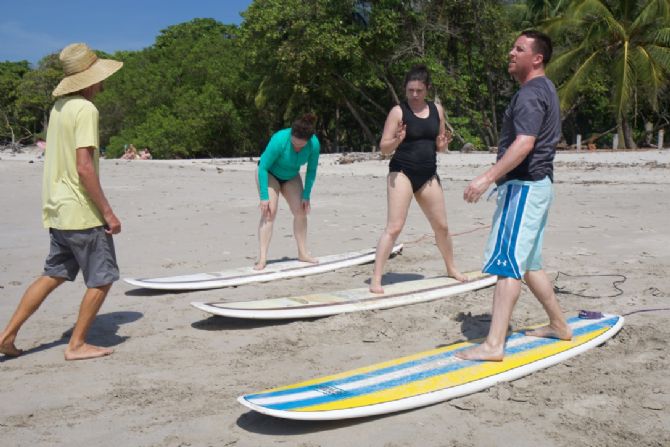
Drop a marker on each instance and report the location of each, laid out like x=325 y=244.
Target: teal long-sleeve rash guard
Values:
x=282 y=161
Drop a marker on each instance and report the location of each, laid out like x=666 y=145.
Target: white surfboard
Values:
x=426 y=378
x=247 y=275
x=353 y=300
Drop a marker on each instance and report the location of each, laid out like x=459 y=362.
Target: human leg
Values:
x=505 y=297
x=431 y=200
x=399 y=197
x=77 y=348
x=539 y=284
x=292 y=191
x=32 y=298
x=266 y=222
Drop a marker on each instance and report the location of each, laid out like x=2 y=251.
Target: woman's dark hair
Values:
x=303 y=127
x=418 y=73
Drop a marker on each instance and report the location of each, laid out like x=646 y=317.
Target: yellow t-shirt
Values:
x=73 y=123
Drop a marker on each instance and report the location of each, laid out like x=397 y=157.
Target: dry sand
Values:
x=176 y=372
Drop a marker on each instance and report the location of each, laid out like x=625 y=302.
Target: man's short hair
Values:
x=541 y=44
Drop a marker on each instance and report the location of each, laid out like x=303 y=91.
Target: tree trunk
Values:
x=388 y=83
x=337 y=127
x=362 y=93
x=366 y=130
x=492 y=102
x=627 y=133
x=9 y=126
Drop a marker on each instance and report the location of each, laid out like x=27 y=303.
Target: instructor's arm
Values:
x=514 y=155
x=90 y=181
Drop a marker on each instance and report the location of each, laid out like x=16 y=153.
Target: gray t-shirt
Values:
x=534 y=110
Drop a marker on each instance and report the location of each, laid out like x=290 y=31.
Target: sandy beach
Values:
x=176 y=371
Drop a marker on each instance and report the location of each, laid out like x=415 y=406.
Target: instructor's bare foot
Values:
x=482 y=352
x=260 y=265
x=307 y=258
x=458 y=276
x=86 y=351
x=10 y=350
x=376 y=288
x=550 y=331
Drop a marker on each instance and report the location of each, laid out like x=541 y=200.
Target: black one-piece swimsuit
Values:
x=416 y=155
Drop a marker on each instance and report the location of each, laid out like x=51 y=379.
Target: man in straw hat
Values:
x=74 y=208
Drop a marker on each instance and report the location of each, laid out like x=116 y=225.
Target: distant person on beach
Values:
x=145 y=154
x=523 y=173
x=415 y=130
x=130 y=153
x=74 y=207
x=279 y=172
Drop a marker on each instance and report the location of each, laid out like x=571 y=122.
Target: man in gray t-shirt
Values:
x=534 y=110
x=524 y=174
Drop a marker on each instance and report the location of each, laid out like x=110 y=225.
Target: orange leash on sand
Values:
x=425 y=236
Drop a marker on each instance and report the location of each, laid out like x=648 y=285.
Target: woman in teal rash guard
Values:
x=279 y=172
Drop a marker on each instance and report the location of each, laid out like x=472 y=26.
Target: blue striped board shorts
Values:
x=515 y=242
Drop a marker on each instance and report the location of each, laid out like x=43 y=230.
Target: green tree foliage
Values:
x=34 y=93
x=11 y=74
x=347 y=60
x=627 y=42
x=182 y=97
x=207 y=89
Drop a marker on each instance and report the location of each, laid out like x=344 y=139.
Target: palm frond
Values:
x=624 y=82
x=597 y=11
x=648 y=74
x=561 y=65
x=651 y=13
x=568 y=91
x=662 y=36
x=660 y=55
x=559 y=25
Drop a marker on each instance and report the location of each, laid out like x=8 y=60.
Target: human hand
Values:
x=401 y=132
x=112 y=223
x=306 y=206
x=442 y=141
x=474 y=191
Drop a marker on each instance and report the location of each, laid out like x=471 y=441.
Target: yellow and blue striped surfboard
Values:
x=425 y=378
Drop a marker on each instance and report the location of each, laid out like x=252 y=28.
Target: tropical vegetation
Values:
x=207 y=89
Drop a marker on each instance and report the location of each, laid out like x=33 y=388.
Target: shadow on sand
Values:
x=392 y=278
x=103 y=332
x=219 y=323
x=262 y=424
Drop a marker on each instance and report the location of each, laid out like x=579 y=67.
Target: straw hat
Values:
x=83 y=68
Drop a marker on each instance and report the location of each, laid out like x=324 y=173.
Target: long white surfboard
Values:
x=425 y=378
x=247 y=275
x=353 y=300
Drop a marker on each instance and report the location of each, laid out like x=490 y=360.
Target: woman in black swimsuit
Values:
x=415 y=131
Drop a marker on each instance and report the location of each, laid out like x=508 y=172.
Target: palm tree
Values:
x=631 y=38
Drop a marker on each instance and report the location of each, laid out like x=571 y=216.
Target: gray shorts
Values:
x=91 y=250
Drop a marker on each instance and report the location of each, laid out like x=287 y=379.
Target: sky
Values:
x=32 y=29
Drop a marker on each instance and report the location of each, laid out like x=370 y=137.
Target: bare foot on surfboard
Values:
x=457 y=275
x=260 y=265
x=377 y=289
x=86 y=351
x=550 y=331
x=307 y=258
x=482 y=352
x=10 y=350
